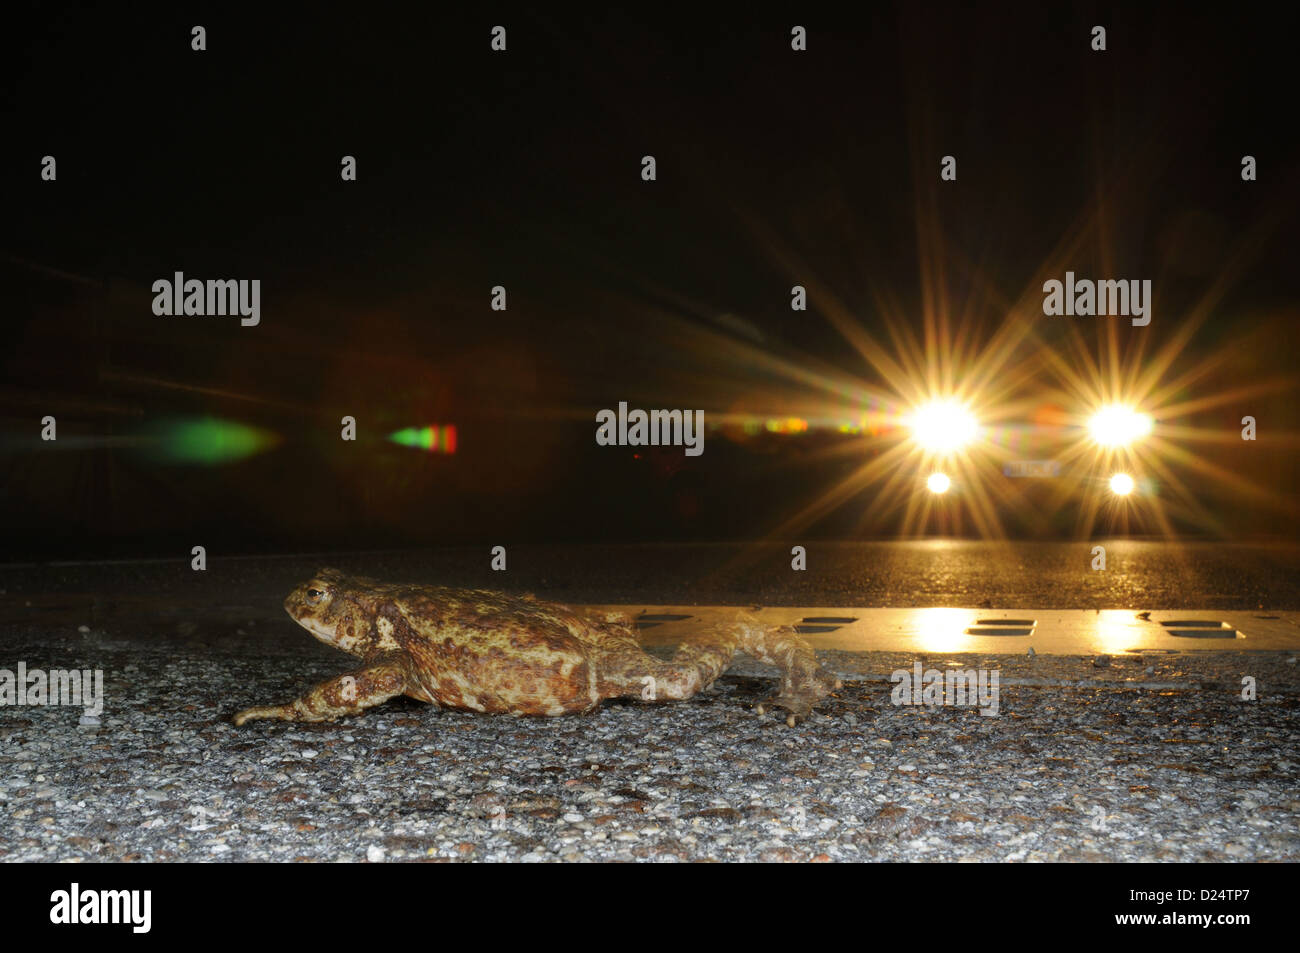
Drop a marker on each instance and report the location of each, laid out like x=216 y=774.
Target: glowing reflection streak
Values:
x=1115 y=631
x=941 y=630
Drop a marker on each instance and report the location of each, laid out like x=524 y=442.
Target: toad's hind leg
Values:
x=698 y=663
x=804 y=682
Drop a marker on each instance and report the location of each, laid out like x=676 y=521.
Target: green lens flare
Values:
x=209 y=441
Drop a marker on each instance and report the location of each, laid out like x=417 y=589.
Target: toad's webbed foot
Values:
x=803 y=680
x=800 y=692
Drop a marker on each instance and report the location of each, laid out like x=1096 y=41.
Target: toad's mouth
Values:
x=326 y=633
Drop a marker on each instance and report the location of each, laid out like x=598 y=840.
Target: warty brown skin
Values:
x=487 y=651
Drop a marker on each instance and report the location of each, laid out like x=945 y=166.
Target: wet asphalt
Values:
x=1142 y=757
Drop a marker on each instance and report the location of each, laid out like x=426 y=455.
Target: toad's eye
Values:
x=315 y=595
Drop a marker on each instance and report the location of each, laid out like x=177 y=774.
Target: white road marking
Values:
x=954 y=630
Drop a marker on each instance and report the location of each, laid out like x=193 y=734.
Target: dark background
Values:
x=523 y=169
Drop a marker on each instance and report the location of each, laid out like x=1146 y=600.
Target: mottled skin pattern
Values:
x=488 y=651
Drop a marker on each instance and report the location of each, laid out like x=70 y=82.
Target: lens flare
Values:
x=938 y=483
x=1118 y=426
x=434 y=439
x=1121 y=484
x=942 y=426
x=209 y=441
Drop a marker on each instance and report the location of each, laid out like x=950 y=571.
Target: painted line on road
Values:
x=997 y=631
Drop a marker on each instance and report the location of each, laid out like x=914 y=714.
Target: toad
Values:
x=487 y=651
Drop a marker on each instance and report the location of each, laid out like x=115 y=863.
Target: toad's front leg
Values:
x=344 y=695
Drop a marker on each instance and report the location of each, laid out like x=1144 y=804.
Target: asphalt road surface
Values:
x=1162 y=756
x=1138 y=574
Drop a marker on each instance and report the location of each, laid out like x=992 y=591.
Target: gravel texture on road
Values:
x=1132 y=758
x=1150 y=756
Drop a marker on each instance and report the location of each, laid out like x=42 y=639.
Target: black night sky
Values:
x=523 y=169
